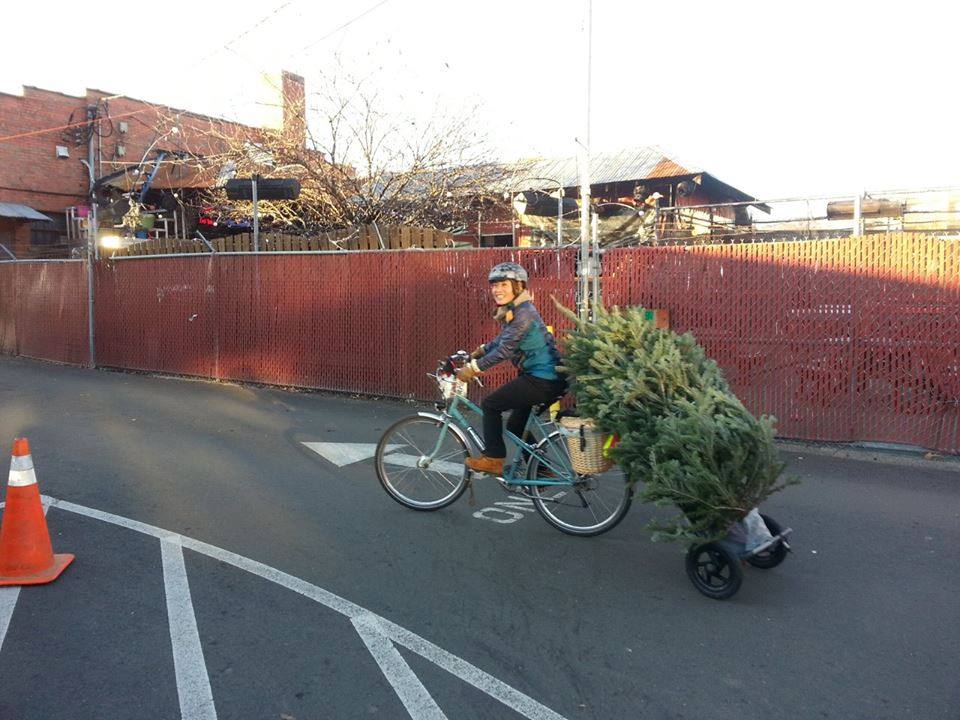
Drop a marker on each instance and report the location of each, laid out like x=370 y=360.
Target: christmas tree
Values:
x=684 y=438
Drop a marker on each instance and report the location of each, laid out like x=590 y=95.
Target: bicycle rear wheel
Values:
x=592 y=505
x=409 y=476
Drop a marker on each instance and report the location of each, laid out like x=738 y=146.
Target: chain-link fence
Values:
x=854 y=339
x=43 y=310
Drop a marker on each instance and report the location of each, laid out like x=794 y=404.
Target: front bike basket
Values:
x=451 y=386
x=585 y=441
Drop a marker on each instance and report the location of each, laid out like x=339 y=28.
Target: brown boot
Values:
x=484 y=464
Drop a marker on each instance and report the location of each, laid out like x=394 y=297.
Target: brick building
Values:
x=59 y=153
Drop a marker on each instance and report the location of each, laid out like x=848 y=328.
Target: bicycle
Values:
x=420 y=463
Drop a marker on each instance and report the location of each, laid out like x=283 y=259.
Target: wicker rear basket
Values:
x=585 y=442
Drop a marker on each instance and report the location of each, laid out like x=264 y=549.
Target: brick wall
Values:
x=31 y=173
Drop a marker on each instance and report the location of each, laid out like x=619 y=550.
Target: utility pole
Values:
x=256 y=215
x=92 y=250
x=560 y=216
x=586 y=267
x=858 y=214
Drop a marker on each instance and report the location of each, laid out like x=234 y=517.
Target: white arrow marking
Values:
x=441 y=466
x=341 y=454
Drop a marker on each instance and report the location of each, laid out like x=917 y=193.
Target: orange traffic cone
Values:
x=26 y=556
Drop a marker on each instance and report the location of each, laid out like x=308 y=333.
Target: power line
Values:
x=231 y=41
x=342 y=27
x=68 y=126
x=226 y=46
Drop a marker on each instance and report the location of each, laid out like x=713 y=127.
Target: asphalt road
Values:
x=225 y=570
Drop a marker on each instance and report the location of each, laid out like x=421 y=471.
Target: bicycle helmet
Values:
x=508 y=271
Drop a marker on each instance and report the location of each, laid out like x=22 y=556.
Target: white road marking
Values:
x=441 y=466
x=10 y=593
x=8 y=601
x=458 y=667
x=504 y=512
x=517 y=502
x=414 y=696
x=193 y=683
x=341 y=454
x=512 y=698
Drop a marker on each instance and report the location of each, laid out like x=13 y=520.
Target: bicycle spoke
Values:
x=421 y=440
x=589 y=506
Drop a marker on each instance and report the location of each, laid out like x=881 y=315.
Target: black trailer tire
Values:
x=714 y=570
x=773 y=555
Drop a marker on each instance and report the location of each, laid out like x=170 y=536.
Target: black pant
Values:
x=519 y=395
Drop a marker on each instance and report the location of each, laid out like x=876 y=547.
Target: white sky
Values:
x=778 y=99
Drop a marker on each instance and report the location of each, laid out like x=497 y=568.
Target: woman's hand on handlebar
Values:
x=467 y=373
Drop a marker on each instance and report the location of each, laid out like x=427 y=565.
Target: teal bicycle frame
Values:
x=557 y=462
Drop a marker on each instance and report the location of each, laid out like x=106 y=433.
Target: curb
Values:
x=904 y=458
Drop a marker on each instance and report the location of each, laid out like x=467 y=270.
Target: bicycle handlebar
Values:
x=451 y=363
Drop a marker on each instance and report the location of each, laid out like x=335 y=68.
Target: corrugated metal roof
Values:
x=639 y=163
x=21 y=212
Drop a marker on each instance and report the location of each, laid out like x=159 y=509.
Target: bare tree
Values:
x=361 y=162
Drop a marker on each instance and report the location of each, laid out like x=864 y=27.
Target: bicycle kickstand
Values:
x=472 y=500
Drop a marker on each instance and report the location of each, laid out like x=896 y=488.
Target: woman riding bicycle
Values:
x=526 y=342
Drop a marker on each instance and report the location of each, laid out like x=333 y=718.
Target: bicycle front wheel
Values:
x=593 y=504
x=412 y=473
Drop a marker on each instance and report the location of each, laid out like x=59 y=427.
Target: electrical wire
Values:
x=231 y=41
x=341 y=27
x=69 y=125
x=149 y=106
x=85 y=124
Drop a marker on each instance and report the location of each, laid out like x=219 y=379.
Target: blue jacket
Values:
x=525 y=341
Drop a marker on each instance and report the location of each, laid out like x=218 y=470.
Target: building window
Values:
x=49 y=233
x=496 y=240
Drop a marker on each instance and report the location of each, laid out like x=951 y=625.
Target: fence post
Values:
x=256 y=218
x=91 y=243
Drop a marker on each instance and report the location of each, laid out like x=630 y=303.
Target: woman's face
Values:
x=502 y=291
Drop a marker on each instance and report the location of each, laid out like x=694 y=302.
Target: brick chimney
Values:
x=294 y=107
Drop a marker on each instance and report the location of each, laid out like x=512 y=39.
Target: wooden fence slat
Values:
x=364 y=237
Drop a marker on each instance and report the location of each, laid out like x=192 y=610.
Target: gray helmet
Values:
x=507 y=271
